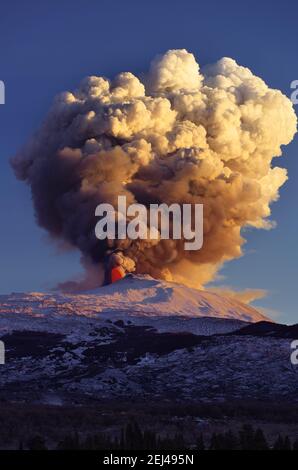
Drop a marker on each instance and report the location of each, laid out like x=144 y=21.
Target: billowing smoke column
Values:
x=184 y=136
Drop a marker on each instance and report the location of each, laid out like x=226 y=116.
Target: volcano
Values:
x=137 y=296
x=140 y=337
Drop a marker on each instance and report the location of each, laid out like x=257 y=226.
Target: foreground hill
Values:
x=141 y=338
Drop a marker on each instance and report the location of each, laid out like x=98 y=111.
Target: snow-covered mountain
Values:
x=141 y=338
x=138 y=296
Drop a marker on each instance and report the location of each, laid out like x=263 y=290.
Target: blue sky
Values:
x=47 y=47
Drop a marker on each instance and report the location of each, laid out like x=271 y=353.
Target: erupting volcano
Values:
x=181 y=135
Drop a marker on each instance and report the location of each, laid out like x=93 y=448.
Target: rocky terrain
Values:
x=135 y=341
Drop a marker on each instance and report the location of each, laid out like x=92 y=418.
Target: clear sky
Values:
x=48 y=46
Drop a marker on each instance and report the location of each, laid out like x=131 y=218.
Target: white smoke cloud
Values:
x=186 y=135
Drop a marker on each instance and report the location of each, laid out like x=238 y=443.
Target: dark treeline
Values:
x=247 y=438
x=133 y=438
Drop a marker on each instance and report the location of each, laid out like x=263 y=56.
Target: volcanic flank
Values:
x=140 y=338
x=182 y=136
x=135 y=297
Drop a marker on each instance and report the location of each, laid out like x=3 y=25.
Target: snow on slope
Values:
x=140 y=299
x=139 y=338
x=147 y=296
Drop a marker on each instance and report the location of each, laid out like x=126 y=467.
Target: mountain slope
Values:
x=140 y=338
x=139 y=296
x=268 y=329
x=147 y=295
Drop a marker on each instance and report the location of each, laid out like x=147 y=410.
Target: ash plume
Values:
x=185 y=135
